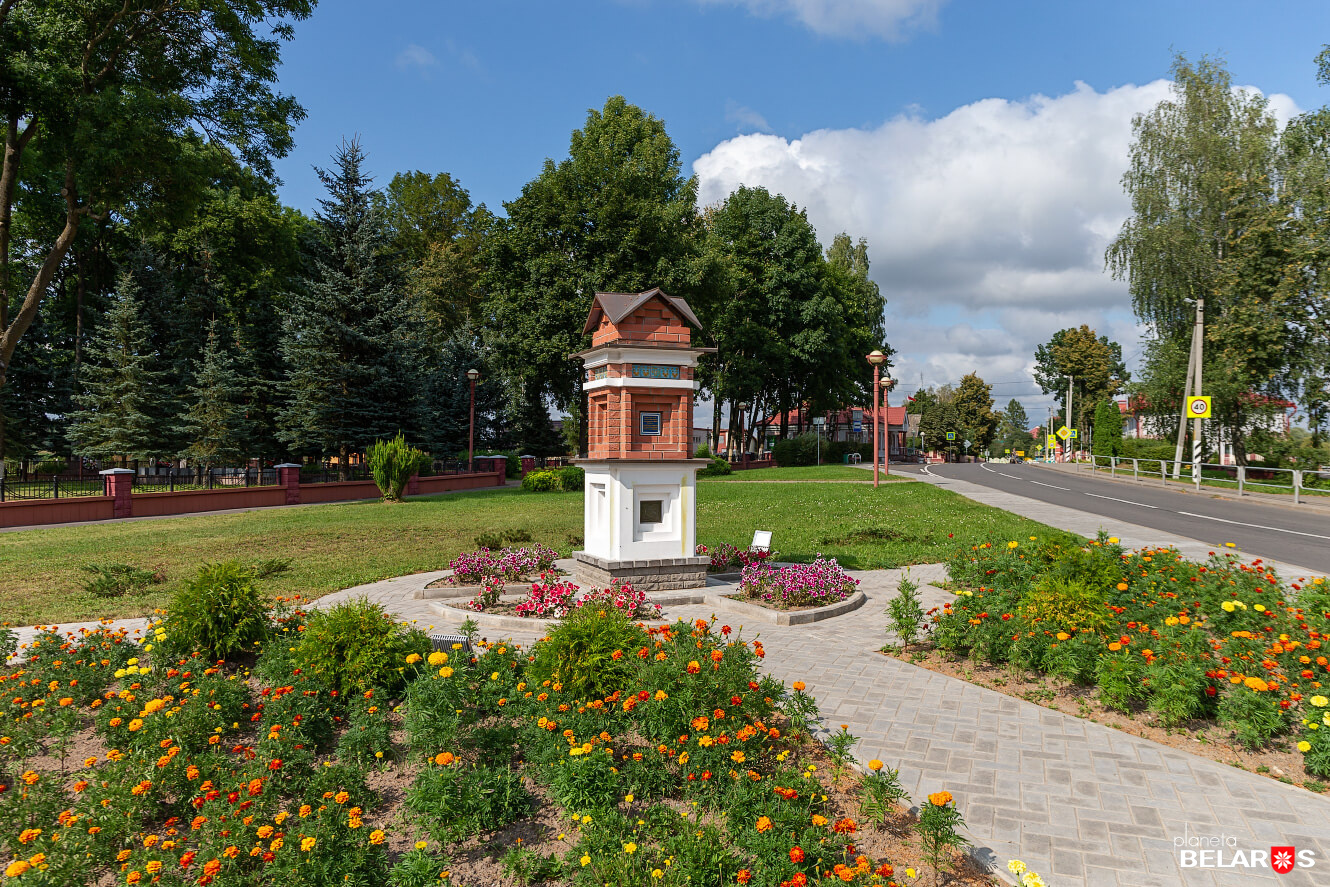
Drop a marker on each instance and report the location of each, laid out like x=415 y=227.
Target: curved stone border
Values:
x=720 y=601
x=468 y=591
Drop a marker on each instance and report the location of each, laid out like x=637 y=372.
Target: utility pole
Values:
x=1200 y=363
x=1066 y=444
x=1191 y=387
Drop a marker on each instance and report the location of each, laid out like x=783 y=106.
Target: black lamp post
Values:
x=472 y=376
x=743 y=450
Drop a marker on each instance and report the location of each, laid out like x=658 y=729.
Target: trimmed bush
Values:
x=356 y=646
x=220 y=612
x=393 y=462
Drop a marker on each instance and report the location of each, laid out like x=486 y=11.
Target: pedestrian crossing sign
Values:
x=951 y=435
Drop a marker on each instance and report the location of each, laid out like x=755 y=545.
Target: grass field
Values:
x=337 y=546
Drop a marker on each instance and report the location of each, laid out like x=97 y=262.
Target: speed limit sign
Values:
x=1198 y=407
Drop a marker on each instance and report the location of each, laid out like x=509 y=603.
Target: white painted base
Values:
x=619 y=494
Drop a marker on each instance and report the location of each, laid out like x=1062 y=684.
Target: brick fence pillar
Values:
x=118 y=483
x=288 y=475
x=499 y=465
x=412 y=486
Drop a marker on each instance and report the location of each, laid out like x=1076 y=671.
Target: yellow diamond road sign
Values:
x=1064 y=432
x=1198 y=407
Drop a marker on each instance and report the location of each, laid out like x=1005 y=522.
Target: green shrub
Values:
x=571 y=479
x=906 y=612
x=393 y=462
x=115 y=580
x=541 y=481
x=1067 y=604
x=579 y=652
x=355 y=646
x=220 y=613
x=702 y=452
x=457 y=801
x=1254 y=717
x=1119 y=675
x=801 y=450
x=716 y=468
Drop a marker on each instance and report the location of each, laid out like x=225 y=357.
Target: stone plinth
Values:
x=657 y=574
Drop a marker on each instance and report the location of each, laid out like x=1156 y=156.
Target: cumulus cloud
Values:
x=416 y=57
x=986 y=227
x=891 y=19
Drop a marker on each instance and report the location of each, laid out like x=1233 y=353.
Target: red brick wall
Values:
x=654 y=322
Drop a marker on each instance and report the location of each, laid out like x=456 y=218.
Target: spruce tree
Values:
x=215 y=425
x=350 y=336
x=123 y=411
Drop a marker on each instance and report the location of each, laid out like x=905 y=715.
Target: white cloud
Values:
x=416 y=57
x=891 y=19
x=986 y=227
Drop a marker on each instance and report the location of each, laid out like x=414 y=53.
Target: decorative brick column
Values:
x=288 y=475
x=118 y=483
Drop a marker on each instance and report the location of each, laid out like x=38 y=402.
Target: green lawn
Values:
x=810 y=472
x=337 y=546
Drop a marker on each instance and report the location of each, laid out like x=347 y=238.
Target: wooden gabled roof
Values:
x=617 y=306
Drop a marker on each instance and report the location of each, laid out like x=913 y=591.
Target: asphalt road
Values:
x=1269 y=531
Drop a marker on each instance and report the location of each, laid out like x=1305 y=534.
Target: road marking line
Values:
x=1253 y=526
x=1125 y=501
x=1054 y=486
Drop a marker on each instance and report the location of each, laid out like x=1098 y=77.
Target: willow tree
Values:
x=1204 y=224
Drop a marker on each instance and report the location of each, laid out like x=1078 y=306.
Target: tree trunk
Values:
x=33 y=299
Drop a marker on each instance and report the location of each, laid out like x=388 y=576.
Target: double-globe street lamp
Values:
x=472 y=376
x=875 y=357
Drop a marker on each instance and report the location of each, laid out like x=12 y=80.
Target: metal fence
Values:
x=199 y=479
x=1294 y=482
x=52 y=487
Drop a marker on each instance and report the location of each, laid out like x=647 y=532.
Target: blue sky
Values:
x=977 y=145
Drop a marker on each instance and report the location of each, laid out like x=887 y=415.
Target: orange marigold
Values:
x=940 y=799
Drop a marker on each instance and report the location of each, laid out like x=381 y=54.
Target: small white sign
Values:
x=762 y=540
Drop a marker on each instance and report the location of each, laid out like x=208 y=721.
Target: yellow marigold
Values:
x=307 y=844
x=799 y=686
x=446 y=671
x=1255 y=683
x=1319 y=701
x=819 y=820
x=875 y=765
x=443 y=759
x=763 y=824
x=437 y=658
x=341 y=797
x=940 y=799
x=16 y=868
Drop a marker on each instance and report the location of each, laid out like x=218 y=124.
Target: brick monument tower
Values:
x=640 y=512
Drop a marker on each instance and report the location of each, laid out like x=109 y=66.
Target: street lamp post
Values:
x=472 y=376
x=875 y=357
x=886 y=423
x=743 y=450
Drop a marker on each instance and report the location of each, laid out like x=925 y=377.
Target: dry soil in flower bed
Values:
x=1202 y=738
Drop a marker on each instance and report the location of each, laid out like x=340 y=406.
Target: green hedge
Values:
x=569 y=479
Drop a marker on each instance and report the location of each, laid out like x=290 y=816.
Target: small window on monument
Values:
x=649 y=511
x=649 y=423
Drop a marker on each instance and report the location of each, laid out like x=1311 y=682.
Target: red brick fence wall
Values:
x=119 y=501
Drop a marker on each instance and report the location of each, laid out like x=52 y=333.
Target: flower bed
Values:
x=817 y=584
x=726 y=557
x=121 y=765
x=1221 y=643
x=504 y=565
x=553 y=598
